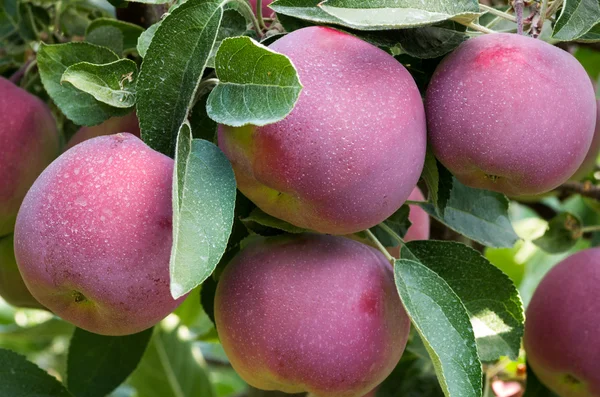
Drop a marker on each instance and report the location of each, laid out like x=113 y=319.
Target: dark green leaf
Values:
x=443 y=323
x=398 y=222
x=413 y=377
x=256 y=85
x=21 y=378
x=111 y=83
x=563 y=232
x=576 y=19
x=204 y=192
x=171 y=367
x=80 y=107
x=432 y=41
x=389 y=14
x=203 y=127
x=101 y=28
x=491 y=298
x=264 y=219
x=172 y=69
x=535 y=388
x=98 y=364
x=207 y=297
x=480 y=215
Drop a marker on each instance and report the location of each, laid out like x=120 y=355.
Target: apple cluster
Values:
x=314 y=312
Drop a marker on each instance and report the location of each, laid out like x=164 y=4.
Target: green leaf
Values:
x=490 y=297
x=590 y=60
x=304 y=9
x=264 y=219
x=438 y=180
x=233 y=24
x=101 y=29
x=480 y=215
x=207 y=297
x=256 y=85
x=576 y=19
x=399 y=14
x=203 y=127
x=204 y=193
x=146 y=38
x=171 y=367
x=413 y=376
x=98 y=364
x=564 y=230
x=19 y=377
x=443 y=323
x=398 y=222
x=535 y=388
x=592 y=36
x=172 y=69
x=111 y=83
x=80 y=107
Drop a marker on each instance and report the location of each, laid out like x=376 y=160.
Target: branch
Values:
x=586 y=189
x=518 y=6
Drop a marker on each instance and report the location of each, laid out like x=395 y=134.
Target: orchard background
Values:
x=171 y=72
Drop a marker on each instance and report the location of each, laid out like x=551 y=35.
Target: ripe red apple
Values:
x=350 y=152
x=589 y=163
x=311 y=313
x=28 y=141
x=128 y=123
x=12 y=287
x=562 y=328
x=510 y=113
x=93 y=237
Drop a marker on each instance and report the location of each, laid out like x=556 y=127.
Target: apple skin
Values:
x=12 y=287
x=29 y=142
x=510 y=113
x=589 y=163
x=351 y=151
x=311 y=313
x=93 y=237
x=266 y=11
x=128 y=123
x=562 y=338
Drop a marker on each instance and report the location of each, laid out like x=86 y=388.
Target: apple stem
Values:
x=384 y=251
x=590 y=229
x=518 y=6
x=553 y=8
x=498 y=13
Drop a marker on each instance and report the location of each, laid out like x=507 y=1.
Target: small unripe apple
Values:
x=12 y=287
x=93 y=237
x=352 y=149
x=311 y=313
x=128 y=123
x=28 y=141
x=510 y=113
x=562 y=328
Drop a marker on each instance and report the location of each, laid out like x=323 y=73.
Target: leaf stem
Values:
x=553 y=7
x=479 y=28
x=498 y=13
x=385 y=252
x=586 y=189
x=259 y=15
x=248 y=13
x=392 y=233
